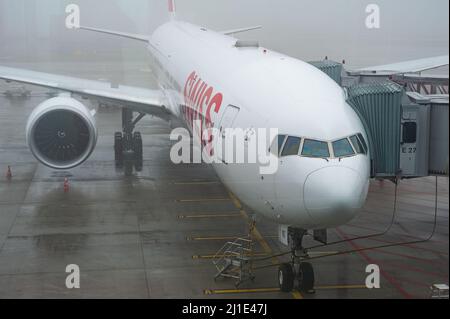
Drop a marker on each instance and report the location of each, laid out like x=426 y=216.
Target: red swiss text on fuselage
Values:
x=200 y=102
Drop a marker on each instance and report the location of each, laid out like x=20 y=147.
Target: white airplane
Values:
x=324 y=159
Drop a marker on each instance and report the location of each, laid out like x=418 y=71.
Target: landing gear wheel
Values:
x=286 y=277
x=306 y=278
x=128 y=154
x=137 y=149
x=118 y=149
x=128 y=145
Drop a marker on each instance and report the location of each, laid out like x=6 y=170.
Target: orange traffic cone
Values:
x=66 y=185
x=9 y=173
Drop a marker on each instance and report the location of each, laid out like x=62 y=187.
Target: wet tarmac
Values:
x=152 y=235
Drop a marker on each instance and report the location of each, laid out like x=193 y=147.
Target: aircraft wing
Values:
x=140 y=99
x=413 y=66
x=132 y=36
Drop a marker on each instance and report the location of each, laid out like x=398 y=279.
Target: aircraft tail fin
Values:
x=172 y=9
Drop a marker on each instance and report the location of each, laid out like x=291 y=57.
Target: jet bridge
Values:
x=408 y=132
x=331 y=68
x=379 y=107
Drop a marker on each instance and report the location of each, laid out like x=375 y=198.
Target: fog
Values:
x=33 y=31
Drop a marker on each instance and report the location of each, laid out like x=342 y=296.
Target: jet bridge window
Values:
x=409 y=132
x=359 y=148
x=292 y=146
x=343 y=148
x=312 y=148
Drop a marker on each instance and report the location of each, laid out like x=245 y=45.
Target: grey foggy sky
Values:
x=306 y=29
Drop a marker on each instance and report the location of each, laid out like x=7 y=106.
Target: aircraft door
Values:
x=227 y=121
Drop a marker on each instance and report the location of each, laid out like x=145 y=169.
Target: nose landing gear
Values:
x=128 y=145
x=296 y=273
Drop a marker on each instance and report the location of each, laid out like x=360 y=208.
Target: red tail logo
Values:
x=171 y=6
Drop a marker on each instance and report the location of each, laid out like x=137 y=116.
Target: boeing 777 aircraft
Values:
x=324 y=159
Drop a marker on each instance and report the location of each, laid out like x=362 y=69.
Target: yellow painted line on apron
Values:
x=260 y=239
x=200 y=200
x=296 y=294
x=266 y=290
x=212 y=238
x=341 y=287
x=196 y=183
x=220 y=256
x=230 y=238
x=199 y=216
x=239 y=291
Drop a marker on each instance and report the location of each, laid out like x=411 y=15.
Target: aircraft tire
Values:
x=138 y=153
x=306 y=278
x=286 y=277
x=118 y=149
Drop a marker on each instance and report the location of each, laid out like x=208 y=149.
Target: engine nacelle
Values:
x=61 y=133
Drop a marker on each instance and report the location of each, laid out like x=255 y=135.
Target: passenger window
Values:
x=410 y=132
x=312 y=148
x=277 y=145
x=357 y=145
x=363 y=142
x=292 y=146
x=342 y=148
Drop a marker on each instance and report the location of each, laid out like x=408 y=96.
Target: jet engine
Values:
x=61 y=133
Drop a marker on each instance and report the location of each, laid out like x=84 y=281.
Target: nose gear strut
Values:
x=297 y=271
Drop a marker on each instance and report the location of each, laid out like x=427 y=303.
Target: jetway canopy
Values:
x=408 y=132
x=379 y=107
x=331 y=68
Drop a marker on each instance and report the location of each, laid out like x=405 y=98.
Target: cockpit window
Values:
x=292 y=146
x=363 y=142
x=342 y=148
x=285 y=145
x=359 y=148
x=312 y=148
x=277 y=144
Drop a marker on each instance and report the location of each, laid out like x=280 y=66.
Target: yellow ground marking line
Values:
x=219 y=256
x=212 y=238
x=199 y=200
x=195 y=183
x=341 y=287
x=199 y=216
x=260 y=239
x=239 y=291
x=266 y=290
x=296 y=294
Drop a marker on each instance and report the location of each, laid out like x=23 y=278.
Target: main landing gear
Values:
x=128 y=145
x=296 y=274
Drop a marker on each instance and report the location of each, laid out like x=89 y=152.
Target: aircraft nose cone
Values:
x=333 y=195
